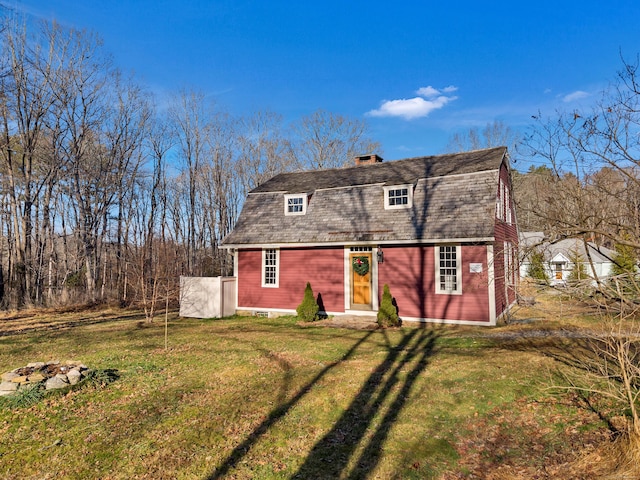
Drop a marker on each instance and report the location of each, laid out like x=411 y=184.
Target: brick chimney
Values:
x=367 y=159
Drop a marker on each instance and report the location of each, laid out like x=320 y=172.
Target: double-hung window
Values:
x=509 y=263
x=398 y=196
x=448 y=269
x=503 y=203
x=270 y=267
x=500 y=201
x=507 y=205
x=295 y=204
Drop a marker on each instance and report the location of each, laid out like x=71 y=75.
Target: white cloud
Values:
x=409 y=108
x=428 y=92
x=429 y=99
x=577 y=95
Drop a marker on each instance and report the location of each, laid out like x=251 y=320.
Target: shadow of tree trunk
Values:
x=332 y=455
x=276 y=414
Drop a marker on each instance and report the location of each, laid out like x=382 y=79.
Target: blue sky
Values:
x=417 y=71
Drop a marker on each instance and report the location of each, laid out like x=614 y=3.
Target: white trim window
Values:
x=503 y=203
x=448 y=269
x=270 y=267
x=499 y=201
x=507 y=205
x=509 y=264
x=398 y=196
x=295 y=204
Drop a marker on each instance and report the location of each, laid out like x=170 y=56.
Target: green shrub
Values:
x=387 y=313
x=625 y=269
x=76 y=279
x=578 y=271
x=308 y=309
x=536 y=268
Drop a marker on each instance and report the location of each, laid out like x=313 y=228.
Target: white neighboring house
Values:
x=558 y=257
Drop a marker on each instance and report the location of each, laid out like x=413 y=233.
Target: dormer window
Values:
x=295 y=204
x=398 y=196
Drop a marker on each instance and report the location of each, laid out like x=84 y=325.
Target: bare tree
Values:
x=189 y=116
x=595 y=157
x=495 y=134
x=264 y=149
x=125 y=130
x=27 y=99
x=154 y=236
x=328 y=140
x=92 y=172
x=219 y=190
x=93 y=201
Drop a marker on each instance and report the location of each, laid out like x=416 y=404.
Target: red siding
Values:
x=323 y=267
x=504 y=232
x=410 y=273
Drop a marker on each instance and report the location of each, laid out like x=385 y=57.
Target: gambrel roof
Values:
x=454 y=199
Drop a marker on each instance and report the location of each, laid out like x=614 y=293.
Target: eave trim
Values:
x=430 y=241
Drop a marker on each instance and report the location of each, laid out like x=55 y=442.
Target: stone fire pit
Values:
x=53 y=375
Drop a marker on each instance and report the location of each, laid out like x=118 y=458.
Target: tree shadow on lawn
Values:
x=10 y=326
x=331 y=455
x=572 y=349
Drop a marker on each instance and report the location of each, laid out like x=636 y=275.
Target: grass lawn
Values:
x=271 y=399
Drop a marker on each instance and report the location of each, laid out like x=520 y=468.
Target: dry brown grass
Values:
x=553 y=307
x=614 y=460
x=616 y=457
x=34 y=320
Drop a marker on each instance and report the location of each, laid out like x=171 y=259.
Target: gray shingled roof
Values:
x=568 y=247
x=454 y=198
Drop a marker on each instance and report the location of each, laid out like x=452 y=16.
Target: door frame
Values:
x=558 y=270
x=348 y=306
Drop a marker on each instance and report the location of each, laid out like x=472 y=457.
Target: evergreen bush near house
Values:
x=387 y=313
x=624 y=260
x=536 y=268
x=308 y=309
x=624 y=270
x=578 y=271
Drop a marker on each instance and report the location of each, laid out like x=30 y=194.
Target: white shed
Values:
x=207 y=297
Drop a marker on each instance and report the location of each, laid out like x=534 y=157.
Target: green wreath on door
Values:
x=361 y=265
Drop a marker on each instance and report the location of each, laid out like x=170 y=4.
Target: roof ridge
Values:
x=394 y=172
x=466 y=152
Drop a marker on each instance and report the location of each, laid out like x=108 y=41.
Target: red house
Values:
x=440 y=231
